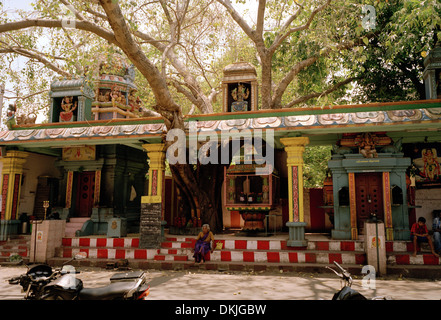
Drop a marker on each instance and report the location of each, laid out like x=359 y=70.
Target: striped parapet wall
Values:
x=179 y=249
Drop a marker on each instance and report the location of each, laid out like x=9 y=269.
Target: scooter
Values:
x=346 y=292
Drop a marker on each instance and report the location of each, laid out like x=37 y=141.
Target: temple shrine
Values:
x=100 y=158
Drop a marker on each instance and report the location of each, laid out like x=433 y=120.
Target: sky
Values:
x=17 y=4
x=10 y=6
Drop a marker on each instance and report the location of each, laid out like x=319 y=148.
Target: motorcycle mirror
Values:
x=80 y=255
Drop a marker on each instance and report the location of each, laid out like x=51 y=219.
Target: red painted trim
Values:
x=322 y=245
x=263 y=245
x=225 y=255
x=120 y=254
x=118 y=243
x=101 y=242
x=84 y=242
x=335 y=257
x=140 y=254
x=240 y=244
x=248 y=256
x=102 y=253
x=347 y=246
x=402 y=259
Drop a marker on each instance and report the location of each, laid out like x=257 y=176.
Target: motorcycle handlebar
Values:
x=14 y=280
x=339 y=267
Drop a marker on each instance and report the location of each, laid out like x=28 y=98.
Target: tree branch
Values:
x=240 y=21
x=126 y=42
x=283 y=34
x=260 y=18
x=319 y=94
x=32 y=55
x=295 y=70
x=54 y=23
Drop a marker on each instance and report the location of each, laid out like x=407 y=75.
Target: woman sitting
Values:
x=203 y=244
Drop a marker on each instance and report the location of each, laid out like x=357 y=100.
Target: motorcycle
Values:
x=346 y=292
x=41 y=282
x=35 y=279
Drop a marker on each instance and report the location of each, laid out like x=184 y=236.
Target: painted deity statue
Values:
x=68 y=105
x=431 y=165
x=366 y=144
x=134 y=102
x=117 y=97
x=240 y=94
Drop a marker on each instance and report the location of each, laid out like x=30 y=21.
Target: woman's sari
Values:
x=201 y=248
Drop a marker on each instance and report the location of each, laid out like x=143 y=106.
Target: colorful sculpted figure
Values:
x=240 y=94
x=134 y=102
x=366 y=144
x=117 y=97
x=431 y=165
x=68 y=105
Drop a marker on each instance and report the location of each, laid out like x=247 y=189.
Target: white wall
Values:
x=429 y=200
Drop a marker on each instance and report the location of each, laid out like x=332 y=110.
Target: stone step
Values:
x=171 y=257
x=107 y=253
x=73 y=225
x=225 y=255
x=24 y=252
x=17 y=244
x=409 y=259
x=101 y=242
x=221 y=266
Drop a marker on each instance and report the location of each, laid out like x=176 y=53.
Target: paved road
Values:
x=180 y=285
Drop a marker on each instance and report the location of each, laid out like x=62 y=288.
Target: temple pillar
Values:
x=294 y=147
x=353 y=205
x=151 y=205
x=12 y=173
x=387 y=207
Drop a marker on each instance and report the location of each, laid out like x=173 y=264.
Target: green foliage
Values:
x=315 y=165
x=392 y=70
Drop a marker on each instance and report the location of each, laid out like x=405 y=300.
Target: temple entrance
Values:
x=369 y=197
x=85 y=194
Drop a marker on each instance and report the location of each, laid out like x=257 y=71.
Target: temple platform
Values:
x=238 y=253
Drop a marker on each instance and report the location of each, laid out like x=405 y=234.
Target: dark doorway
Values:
x=85 y=193
x=318 y=215
x=369 y=197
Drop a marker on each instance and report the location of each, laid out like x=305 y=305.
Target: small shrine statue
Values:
x=101 y=96
x=68 y=105
x=10 y=116
x=117 y=97
x=240 y=94
x=134 y=102
x=366 y=145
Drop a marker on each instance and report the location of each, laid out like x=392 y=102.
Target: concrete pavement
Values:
x=185 y=285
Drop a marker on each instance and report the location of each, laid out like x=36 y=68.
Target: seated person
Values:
x=419 y=233
x=203 y=244
x=437 y=230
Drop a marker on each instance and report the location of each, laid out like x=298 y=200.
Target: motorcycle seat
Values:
x=115 y=290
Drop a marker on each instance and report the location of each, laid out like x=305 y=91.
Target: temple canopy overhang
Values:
x=411 y=120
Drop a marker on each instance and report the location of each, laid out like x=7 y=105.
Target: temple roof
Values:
x=240 y=67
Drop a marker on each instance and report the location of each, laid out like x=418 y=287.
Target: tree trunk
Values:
x=203 y=189
x=266 y=81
